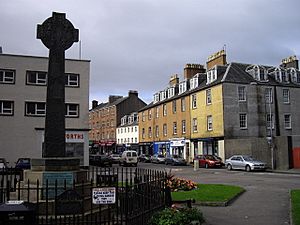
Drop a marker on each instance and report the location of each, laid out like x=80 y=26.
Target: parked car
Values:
x=209 y=161
x=244 y=162
x=158 y=158
x=144 y=158
x=100 y=160
x=129 y=157
x=3 y=164
x=23 y=164
x=115 y=158
x=175 y=160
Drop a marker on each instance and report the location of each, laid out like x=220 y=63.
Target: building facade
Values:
x=23 y=84
x=104 y=118
x=127 y=134
x=233 y=108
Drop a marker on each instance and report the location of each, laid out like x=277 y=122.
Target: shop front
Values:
x=145 y=148
x=161 y=147
x=177 y=147
x=207 y=146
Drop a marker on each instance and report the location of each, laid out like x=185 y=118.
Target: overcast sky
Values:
x=139 y=44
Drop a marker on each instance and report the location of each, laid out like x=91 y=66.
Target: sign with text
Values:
x=105 y=195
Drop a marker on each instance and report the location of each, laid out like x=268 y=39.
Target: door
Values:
x=296 y=158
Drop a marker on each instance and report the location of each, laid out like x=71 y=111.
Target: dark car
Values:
x=23 y=164
x=144 y=158
x=209 y=161
x=100 y=160
x=175 y=160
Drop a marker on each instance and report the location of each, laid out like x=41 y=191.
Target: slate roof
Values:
x=107 y=104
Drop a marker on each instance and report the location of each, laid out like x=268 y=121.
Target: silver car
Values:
x=244 y=162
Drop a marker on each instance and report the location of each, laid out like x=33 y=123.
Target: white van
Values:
x=129 y=158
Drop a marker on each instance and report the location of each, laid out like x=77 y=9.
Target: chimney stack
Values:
x=191 y=69
x=290 y=62
x=218 y=58
x=113 y=98
x=94 y=104
x=174 y=80
x=133 y=93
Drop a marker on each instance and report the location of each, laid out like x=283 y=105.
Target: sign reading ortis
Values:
x=105 y=195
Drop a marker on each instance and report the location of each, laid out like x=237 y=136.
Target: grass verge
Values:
x=209 y=193
x=295 y=198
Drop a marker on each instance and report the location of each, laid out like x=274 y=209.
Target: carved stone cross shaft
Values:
x=57 y=34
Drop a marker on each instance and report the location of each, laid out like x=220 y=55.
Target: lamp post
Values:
x=270 y=138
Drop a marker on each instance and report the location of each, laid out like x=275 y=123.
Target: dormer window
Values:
x=123 y=120
x=194 y=81
x=156 y=97
x=281 y=75
x=211 y=75
x=258 y=73
x=171 y=92
x=182 y=87
x=162 y=95
x=294 y=75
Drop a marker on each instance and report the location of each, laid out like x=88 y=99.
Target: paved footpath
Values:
x=265 y=202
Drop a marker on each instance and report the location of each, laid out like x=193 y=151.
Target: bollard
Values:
x=196 y=165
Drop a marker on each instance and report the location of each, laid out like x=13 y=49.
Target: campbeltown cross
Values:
x=57 y=34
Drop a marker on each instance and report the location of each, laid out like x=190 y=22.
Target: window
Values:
x=149 y=132
x=194 y=101
x=36 y=77
x=195 y=125
x=156 y=131
x=143 y=116
x=149 y=114
x=7 y=76
x=174 y=106
x=143 y=133
x=242 y=93
x=182 y=87
x=157 y=111
x=183 y=126
x=183 y=104
x=72 y=110
x=174 y=127
x=164 y=109
x=171 y=92
x=270 y=121
x=135 y=140
x=6 y=107
x=35 y=108
x=243 y=121
x=208 y=96
x=287 y=121
x=269 y=95
x=165 y=129
x=71 y=80
x=209 y=123
x=286 y=95
x=156 y=97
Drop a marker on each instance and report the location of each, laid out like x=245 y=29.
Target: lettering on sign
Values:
x=104 y=195
x=74 y=136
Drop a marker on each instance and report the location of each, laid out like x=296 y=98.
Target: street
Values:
x=265 y=202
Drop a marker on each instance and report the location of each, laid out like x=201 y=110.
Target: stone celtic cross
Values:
x=57 y=34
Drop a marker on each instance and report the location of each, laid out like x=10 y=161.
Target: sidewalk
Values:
x=290 y=171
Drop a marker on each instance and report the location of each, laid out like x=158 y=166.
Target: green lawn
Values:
x=295 y=196
x=209 y=193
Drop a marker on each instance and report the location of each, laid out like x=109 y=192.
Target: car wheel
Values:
x=248 y=168
x=206 y=165
x=229 y=167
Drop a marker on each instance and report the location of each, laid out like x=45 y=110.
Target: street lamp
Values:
x=270 y=138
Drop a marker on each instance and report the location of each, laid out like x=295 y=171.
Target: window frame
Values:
x=174 y=128
x=164 y=109
x=289 y=122
x=183 y=126
x=2 y=108
x=43 y=81
x=286 y=98
x=183 y=104
x=209 y=120
x=67 y=113
x=67 y=80
x=195 y=125
x=37 y=112
x=6 y=79
x=242 y=93
x=165 y=130
x=208 y=97
x=174 y=106
x=194 y=101
x=243 y=121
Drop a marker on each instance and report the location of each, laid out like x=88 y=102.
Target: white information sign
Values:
x=105 y=195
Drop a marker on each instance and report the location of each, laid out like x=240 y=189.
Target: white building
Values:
x=23 y=81
x=127 y=133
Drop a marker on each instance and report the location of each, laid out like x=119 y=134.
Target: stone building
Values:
x=231 y=108
x=23 y=81
x=104 y=118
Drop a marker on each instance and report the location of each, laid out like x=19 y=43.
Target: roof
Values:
x=107 y=104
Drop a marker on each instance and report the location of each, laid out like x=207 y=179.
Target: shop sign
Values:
x=177 y=142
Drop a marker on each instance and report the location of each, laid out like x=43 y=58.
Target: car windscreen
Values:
x=248 y=158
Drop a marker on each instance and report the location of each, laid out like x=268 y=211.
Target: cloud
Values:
x=139 y=44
